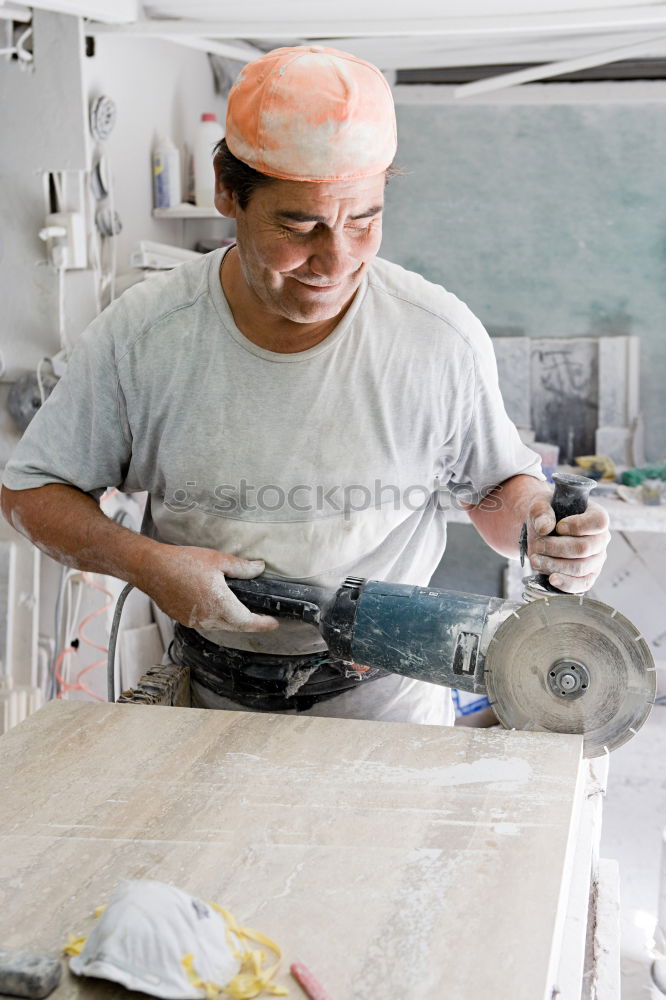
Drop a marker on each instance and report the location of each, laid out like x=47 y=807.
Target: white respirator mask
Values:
x=159 y=940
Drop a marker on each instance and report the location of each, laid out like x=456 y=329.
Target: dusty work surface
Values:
x=397 y=861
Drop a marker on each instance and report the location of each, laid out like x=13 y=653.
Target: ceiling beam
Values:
x=12 y=12
x=645 y=17
x=544 y=72
x=429 y=53
x=113 y=11
x=237 y=50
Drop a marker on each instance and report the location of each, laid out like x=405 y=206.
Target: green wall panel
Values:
x=549 y=221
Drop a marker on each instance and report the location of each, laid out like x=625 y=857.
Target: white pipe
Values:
x=548 y=70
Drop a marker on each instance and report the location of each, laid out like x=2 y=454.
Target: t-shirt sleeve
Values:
x=490 y=448
x=80 y=436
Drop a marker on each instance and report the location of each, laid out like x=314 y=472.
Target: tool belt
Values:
x=265 y=682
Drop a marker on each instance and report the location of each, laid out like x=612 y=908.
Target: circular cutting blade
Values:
x=568 y=664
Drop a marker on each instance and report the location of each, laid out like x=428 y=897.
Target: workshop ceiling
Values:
x=396 y=34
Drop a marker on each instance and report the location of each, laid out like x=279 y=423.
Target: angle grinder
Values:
x=555 y=662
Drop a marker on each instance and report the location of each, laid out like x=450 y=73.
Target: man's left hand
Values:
x=573 y=558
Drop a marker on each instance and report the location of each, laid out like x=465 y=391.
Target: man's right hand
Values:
x=188 y=584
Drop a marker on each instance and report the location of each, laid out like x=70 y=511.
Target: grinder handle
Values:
x=269 y=596
x=570 y=497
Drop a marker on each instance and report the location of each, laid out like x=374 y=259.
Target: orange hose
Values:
x=78 y=685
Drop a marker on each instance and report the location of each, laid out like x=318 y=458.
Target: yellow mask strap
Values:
x=252 y=980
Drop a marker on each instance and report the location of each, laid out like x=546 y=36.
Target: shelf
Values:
x=185 y=211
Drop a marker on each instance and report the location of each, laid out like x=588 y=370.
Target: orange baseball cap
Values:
x=311 y=113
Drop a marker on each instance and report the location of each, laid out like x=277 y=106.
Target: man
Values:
x=293 y=405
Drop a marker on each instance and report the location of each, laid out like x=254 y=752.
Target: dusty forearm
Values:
x=69 y=526
x=187 y=582
x=500 y=516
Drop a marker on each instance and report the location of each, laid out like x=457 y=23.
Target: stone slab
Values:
x=396 y=861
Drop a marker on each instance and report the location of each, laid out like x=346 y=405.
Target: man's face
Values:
x=304 y=247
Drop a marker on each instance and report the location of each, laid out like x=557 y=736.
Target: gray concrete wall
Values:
x=547 y=218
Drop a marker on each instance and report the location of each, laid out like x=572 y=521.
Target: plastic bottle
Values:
x=209 y=132
x=166 y=173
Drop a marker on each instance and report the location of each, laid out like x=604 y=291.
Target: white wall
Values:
x=158 y=88
x=42 y=122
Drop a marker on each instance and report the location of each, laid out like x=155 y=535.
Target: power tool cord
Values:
x=113 y=639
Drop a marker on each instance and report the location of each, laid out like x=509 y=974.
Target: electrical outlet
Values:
x=73 y=241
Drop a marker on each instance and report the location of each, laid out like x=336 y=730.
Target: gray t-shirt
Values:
x=339 y=460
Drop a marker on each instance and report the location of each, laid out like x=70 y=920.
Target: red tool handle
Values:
x=307 y=981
